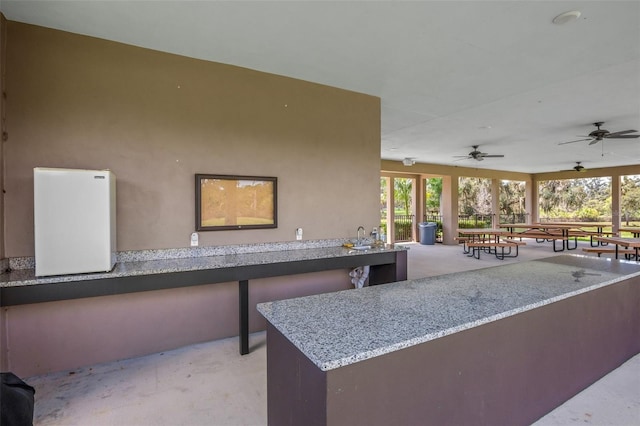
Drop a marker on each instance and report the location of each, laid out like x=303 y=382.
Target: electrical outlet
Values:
x=194 y=239
x=299 y=234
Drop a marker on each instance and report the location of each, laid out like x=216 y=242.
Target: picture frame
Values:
x=229 y=202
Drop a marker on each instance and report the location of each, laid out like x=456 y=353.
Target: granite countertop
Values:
x=338 y=329
x=23 y=277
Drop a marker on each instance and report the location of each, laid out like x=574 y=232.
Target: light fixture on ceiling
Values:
x=566 y=17
x=408 y=161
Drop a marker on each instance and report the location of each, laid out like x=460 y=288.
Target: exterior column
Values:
x=449 y=209
x=615 y=203
x=495 y=202
x=418 y=207
x=391 y=215
x=531 y=200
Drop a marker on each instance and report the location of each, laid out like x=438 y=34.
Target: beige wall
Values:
x=398 y=169
x=156 y=119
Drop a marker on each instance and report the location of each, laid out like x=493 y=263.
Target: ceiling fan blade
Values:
x=595 y=141
x=623 y=132
x=479 y=158
x=493 y=155
x=623 y=137
x=579 y=140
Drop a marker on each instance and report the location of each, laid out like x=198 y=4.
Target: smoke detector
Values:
x=566 y=17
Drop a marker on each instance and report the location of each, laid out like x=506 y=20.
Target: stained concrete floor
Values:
x=210 y=384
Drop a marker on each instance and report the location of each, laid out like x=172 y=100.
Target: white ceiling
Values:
x=450 y=74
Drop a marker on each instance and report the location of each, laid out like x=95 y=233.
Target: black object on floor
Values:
x=16 y=401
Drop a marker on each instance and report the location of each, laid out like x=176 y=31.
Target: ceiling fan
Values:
x=477 y=155
x=578 y=167
x=600 y=134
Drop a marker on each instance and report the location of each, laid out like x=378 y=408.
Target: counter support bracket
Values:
x=243 y=287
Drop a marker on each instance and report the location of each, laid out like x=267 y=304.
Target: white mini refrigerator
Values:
x=74 y=221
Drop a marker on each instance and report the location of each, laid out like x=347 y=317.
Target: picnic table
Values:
x=475 y=240
x=635 y=230
x=543 y=232
x=629 y=243
x=563 y=231
x=577 y=229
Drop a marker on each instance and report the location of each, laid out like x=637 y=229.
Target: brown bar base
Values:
x=508 y=372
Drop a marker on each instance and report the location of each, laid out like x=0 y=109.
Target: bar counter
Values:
x=216 y=268
x=501 y=345
x=180 y=270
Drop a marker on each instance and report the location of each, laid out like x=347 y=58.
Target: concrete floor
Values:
x=210 y=384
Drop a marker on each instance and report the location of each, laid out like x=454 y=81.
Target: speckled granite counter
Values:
x=333 y=331
x=132 y=268
x=240 y=264
x=374 y=330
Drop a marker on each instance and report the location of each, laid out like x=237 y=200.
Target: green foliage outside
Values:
x=433 y=194
x=402 y=191
x=403 y=202
x=588 y=199
x=474 y=196
x=475 y=224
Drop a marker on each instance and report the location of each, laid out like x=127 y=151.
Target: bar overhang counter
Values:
x=64 y=322
x=501 y=345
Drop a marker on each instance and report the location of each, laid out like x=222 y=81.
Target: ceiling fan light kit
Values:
x=579 y=167
x=478 y=155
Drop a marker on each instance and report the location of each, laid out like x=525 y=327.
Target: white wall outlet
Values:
x=299 y=234
x=194 y=239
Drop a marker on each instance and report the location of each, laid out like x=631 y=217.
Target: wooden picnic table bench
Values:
x=542 y=236
x=464 y=241
x=469 y=235
x=475 y=247
x=634 y=230
x=519 y=243
x=628 y=253
x=627 y=243
x=592 y=234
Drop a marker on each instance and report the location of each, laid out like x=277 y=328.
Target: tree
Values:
x=474 y=196
x=512 y=195
x=630 y=197
x=588 y=198
x=402 y=193
x=549 y=195
x=433 y=193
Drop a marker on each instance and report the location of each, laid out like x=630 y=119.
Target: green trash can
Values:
x=427 y=233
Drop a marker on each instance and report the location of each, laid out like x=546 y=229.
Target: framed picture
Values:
x=236 y=202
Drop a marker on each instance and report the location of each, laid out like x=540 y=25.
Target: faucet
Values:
x=360 y=228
